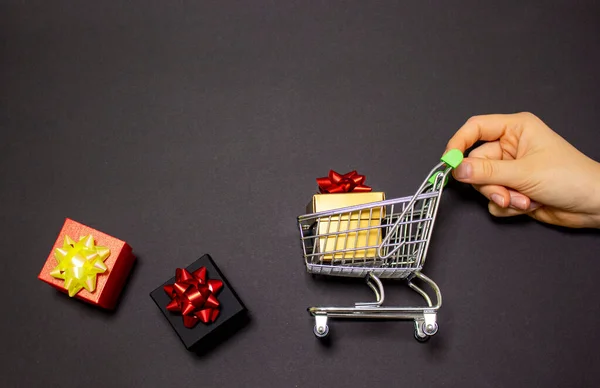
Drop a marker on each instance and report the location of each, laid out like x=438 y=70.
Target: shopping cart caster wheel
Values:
x=430 y=329
x=321 y=332
x=421 y=339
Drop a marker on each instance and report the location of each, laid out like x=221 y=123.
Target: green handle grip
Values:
x=452 y=158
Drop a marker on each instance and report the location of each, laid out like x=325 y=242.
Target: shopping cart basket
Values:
x=404 y=226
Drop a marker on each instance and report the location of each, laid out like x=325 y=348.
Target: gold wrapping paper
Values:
x=350 y=241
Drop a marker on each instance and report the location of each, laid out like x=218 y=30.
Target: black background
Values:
x=199 y=127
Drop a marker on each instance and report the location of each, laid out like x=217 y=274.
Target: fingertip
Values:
x=500 y=212
x=534 y=205
x=463 y=172
x=493 y=209
x=497 y=194
x=519 y=201
x=499 y=200
x=454 y=145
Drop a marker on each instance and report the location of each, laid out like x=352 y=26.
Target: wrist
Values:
x=595 y=195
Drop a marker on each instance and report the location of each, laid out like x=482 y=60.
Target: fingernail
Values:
x=534 y=205
x=498 y=199
x=518 y=202
x=464 y=171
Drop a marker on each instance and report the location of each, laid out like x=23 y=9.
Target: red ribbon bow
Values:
x=336 y=183
x=194 y=297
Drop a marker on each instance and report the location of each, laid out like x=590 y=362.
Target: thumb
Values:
x=480 y=171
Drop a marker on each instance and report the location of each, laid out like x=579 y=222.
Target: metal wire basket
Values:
x=337 y=243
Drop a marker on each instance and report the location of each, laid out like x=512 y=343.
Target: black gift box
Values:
x=232 y=311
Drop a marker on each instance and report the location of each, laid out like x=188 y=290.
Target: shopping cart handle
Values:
x=433 y=178
x=453 y=158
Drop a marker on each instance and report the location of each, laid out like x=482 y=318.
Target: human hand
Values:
x=526 y=168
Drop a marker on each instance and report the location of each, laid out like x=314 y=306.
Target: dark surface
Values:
x=229 y=310
x=192 y=127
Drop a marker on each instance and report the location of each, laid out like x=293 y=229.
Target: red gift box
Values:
x=109 y=280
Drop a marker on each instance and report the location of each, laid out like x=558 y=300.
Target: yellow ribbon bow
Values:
x=79 y=263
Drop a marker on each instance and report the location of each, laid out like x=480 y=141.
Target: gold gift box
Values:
x=349 y=241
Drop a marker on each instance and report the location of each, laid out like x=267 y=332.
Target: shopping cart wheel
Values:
x=421 y=339
x=430 y=329
x=321 y=331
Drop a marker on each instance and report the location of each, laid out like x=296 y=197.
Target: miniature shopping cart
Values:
x=404 y=226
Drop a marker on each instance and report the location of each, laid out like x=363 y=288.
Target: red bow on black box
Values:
x=194 y=296
x=337 y=183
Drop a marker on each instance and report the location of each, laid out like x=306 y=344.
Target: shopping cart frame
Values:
x=424 y=317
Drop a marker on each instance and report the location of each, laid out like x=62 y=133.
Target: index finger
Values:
x=486 y=128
